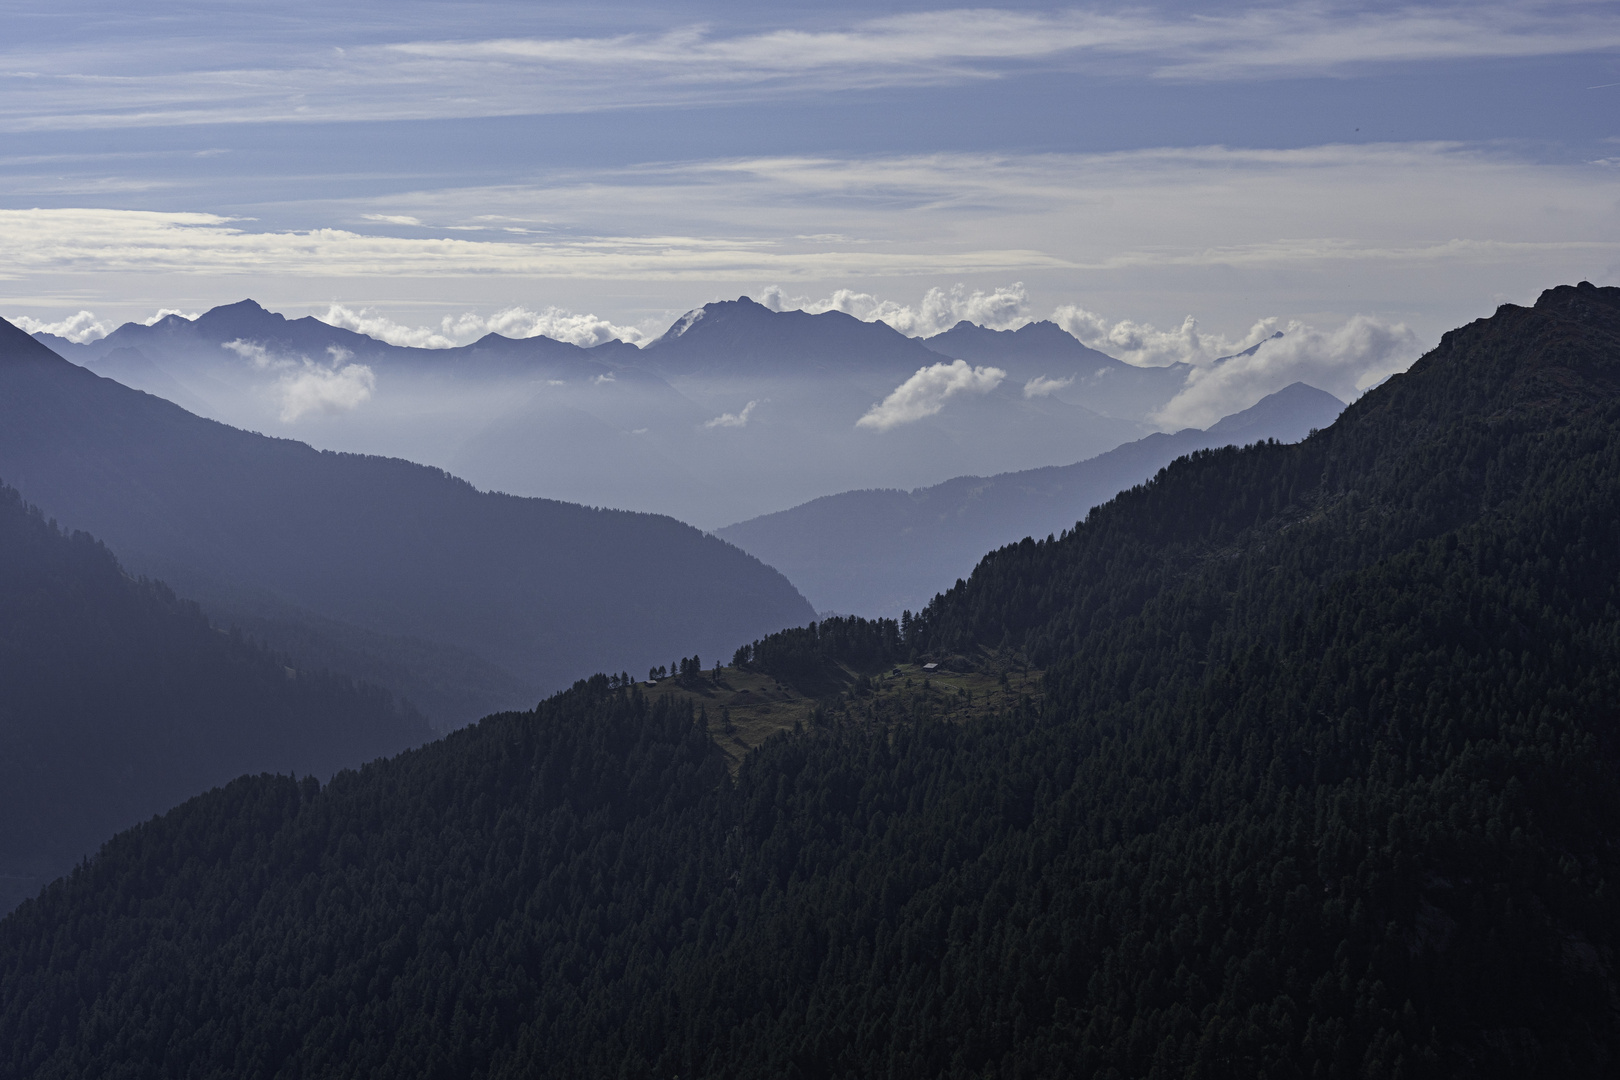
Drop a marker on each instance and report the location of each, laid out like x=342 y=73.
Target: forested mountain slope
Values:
x=879 y=552
x=380 y=559
x=118 y=701
x=1321 y=782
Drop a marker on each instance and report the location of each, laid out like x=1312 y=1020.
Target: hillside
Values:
x=461 y=600
x=880 y=552
x=1320 y=781
x=121 y=701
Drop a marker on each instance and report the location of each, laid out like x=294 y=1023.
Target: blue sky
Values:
x=430 y=171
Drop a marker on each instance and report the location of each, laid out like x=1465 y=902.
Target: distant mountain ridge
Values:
x=286 y=536
x=877 y=552
x=743 y=337
x=248 y=321
x=119 y=701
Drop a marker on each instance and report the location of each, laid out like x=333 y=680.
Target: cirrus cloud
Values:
x=925 y=393
x=287 y=72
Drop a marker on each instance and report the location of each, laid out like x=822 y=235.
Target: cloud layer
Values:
x=925 y=393
x=429 y=63
x=453 y=330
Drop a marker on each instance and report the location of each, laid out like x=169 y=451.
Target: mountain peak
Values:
x=1570 y=298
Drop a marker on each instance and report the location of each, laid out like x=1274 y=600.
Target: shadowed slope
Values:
x=276 y=529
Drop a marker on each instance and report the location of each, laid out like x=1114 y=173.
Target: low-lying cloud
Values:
x=1042 y=386
x=736 y=419
x=81 y=327
x=84 y=327
x=925 y=393
x=1344 y=362
x=1001 y=308
x=454 y=330
x=305 y=386
x=316 y=388
x=1145 y=345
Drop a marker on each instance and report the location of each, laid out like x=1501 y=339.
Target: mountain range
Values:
x=461 y=601
x=882 y=552
x=1297 y=760
x=735 y=411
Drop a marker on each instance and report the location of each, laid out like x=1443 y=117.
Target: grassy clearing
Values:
x=746 y=707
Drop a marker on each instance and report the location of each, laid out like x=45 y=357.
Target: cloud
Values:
x=925 y=393
x=254 y=353
x=321 y=389
x=1144 y=345
x=84 y=327
x=1041 y=386
x=1002 y=307
x=164 y=313
x=1344 y=362
x=448 y=71
x=453 y=330
x=81 y=327
x=736 y=419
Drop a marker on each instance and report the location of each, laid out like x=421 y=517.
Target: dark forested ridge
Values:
x=118 y=701
x=1320 y=782
x=368 y=562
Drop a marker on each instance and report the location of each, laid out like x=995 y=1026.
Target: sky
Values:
x=1168 y=181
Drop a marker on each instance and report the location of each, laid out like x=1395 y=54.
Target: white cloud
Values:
x=1344 y=362
x=81 y=327
x=1002 y=307
x=317 y=388
x=1041 y=386
x=454 y=330
x=1144 y=345
x=736 y=419
x=84 y=327
x=254 y=353
x=301 y=77
x=164 y=313
x=925 y=393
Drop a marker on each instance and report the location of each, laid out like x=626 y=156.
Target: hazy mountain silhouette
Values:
x=1096 y=380
x=878 y=552
x=120 y=701
x=289 y=536
x=742 y=337
x=620 y=426
x=174 y=338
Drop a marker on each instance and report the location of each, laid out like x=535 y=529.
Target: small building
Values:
x=930 y=667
